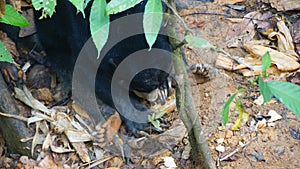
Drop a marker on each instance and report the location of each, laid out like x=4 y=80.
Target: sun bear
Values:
x=64 y=37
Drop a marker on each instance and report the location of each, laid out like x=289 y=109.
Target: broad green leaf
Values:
x=198 y=42
x=264 y=89
x=99 y=24
x=13 y=17
x=225 y=110
x=287 y=93
x=266 y=63
x=80 y=5
x=47 y=6
x=156 y=124
x=160 y=114
x=116 y=6
x=152 y=21
x=5 y=56
x=151 y=117
x=243 y=116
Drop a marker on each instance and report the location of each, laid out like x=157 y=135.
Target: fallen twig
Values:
x=14 y=116
x=237 y=149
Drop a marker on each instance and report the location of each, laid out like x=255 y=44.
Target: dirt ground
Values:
x=269 y=145
x=275 y=147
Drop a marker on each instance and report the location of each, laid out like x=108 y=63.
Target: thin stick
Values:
x=14 y=116
x=238 y=61
x=238 y=149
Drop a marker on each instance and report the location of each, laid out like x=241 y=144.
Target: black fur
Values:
x=64 y=35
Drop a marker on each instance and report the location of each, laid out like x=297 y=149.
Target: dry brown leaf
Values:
x=257 y=70
x=73 y=131
x=26 y=3
x=228 y=64
x=2 y=7
x=77 y=108
x=244 y=31
x=9 y=44
x=284 y=40
x=285 y=43
x=26 y=97
x=82 y=152
x=60 y=149
x=282 y=61
x=38 y=137
x=225 y=63
x=16 y=4
x=288 y=43
x=284 y=5
x=47 y=143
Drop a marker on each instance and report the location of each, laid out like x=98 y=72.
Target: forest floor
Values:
x=256 y=143
x=270 y=146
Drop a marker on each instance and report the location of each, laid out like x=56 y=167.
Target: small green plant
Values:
x=285 y=92
x=154 y=119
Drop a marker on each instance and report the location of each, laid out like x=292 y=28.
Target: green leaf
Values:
x=266 y=63
x=225 y=110
x=159 y=115
x=99 y=24
x=116 y=6
x=198 y=42
x=156 y=124
x=5 y=56
x=152 y=20
x=80 y=5
x=287 y=93
x=240 y=89
x=264 y=89
x=13 y=17
x=47 y=6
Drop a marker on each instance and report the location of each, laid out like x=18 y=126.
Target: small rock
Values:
x=220 y=140
x=259 y=101
x=258 y=155
x=271 y=124
x=169 y=162
x=220 y=148
x=261 y=124
x=295 y=133
x=274 y=116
